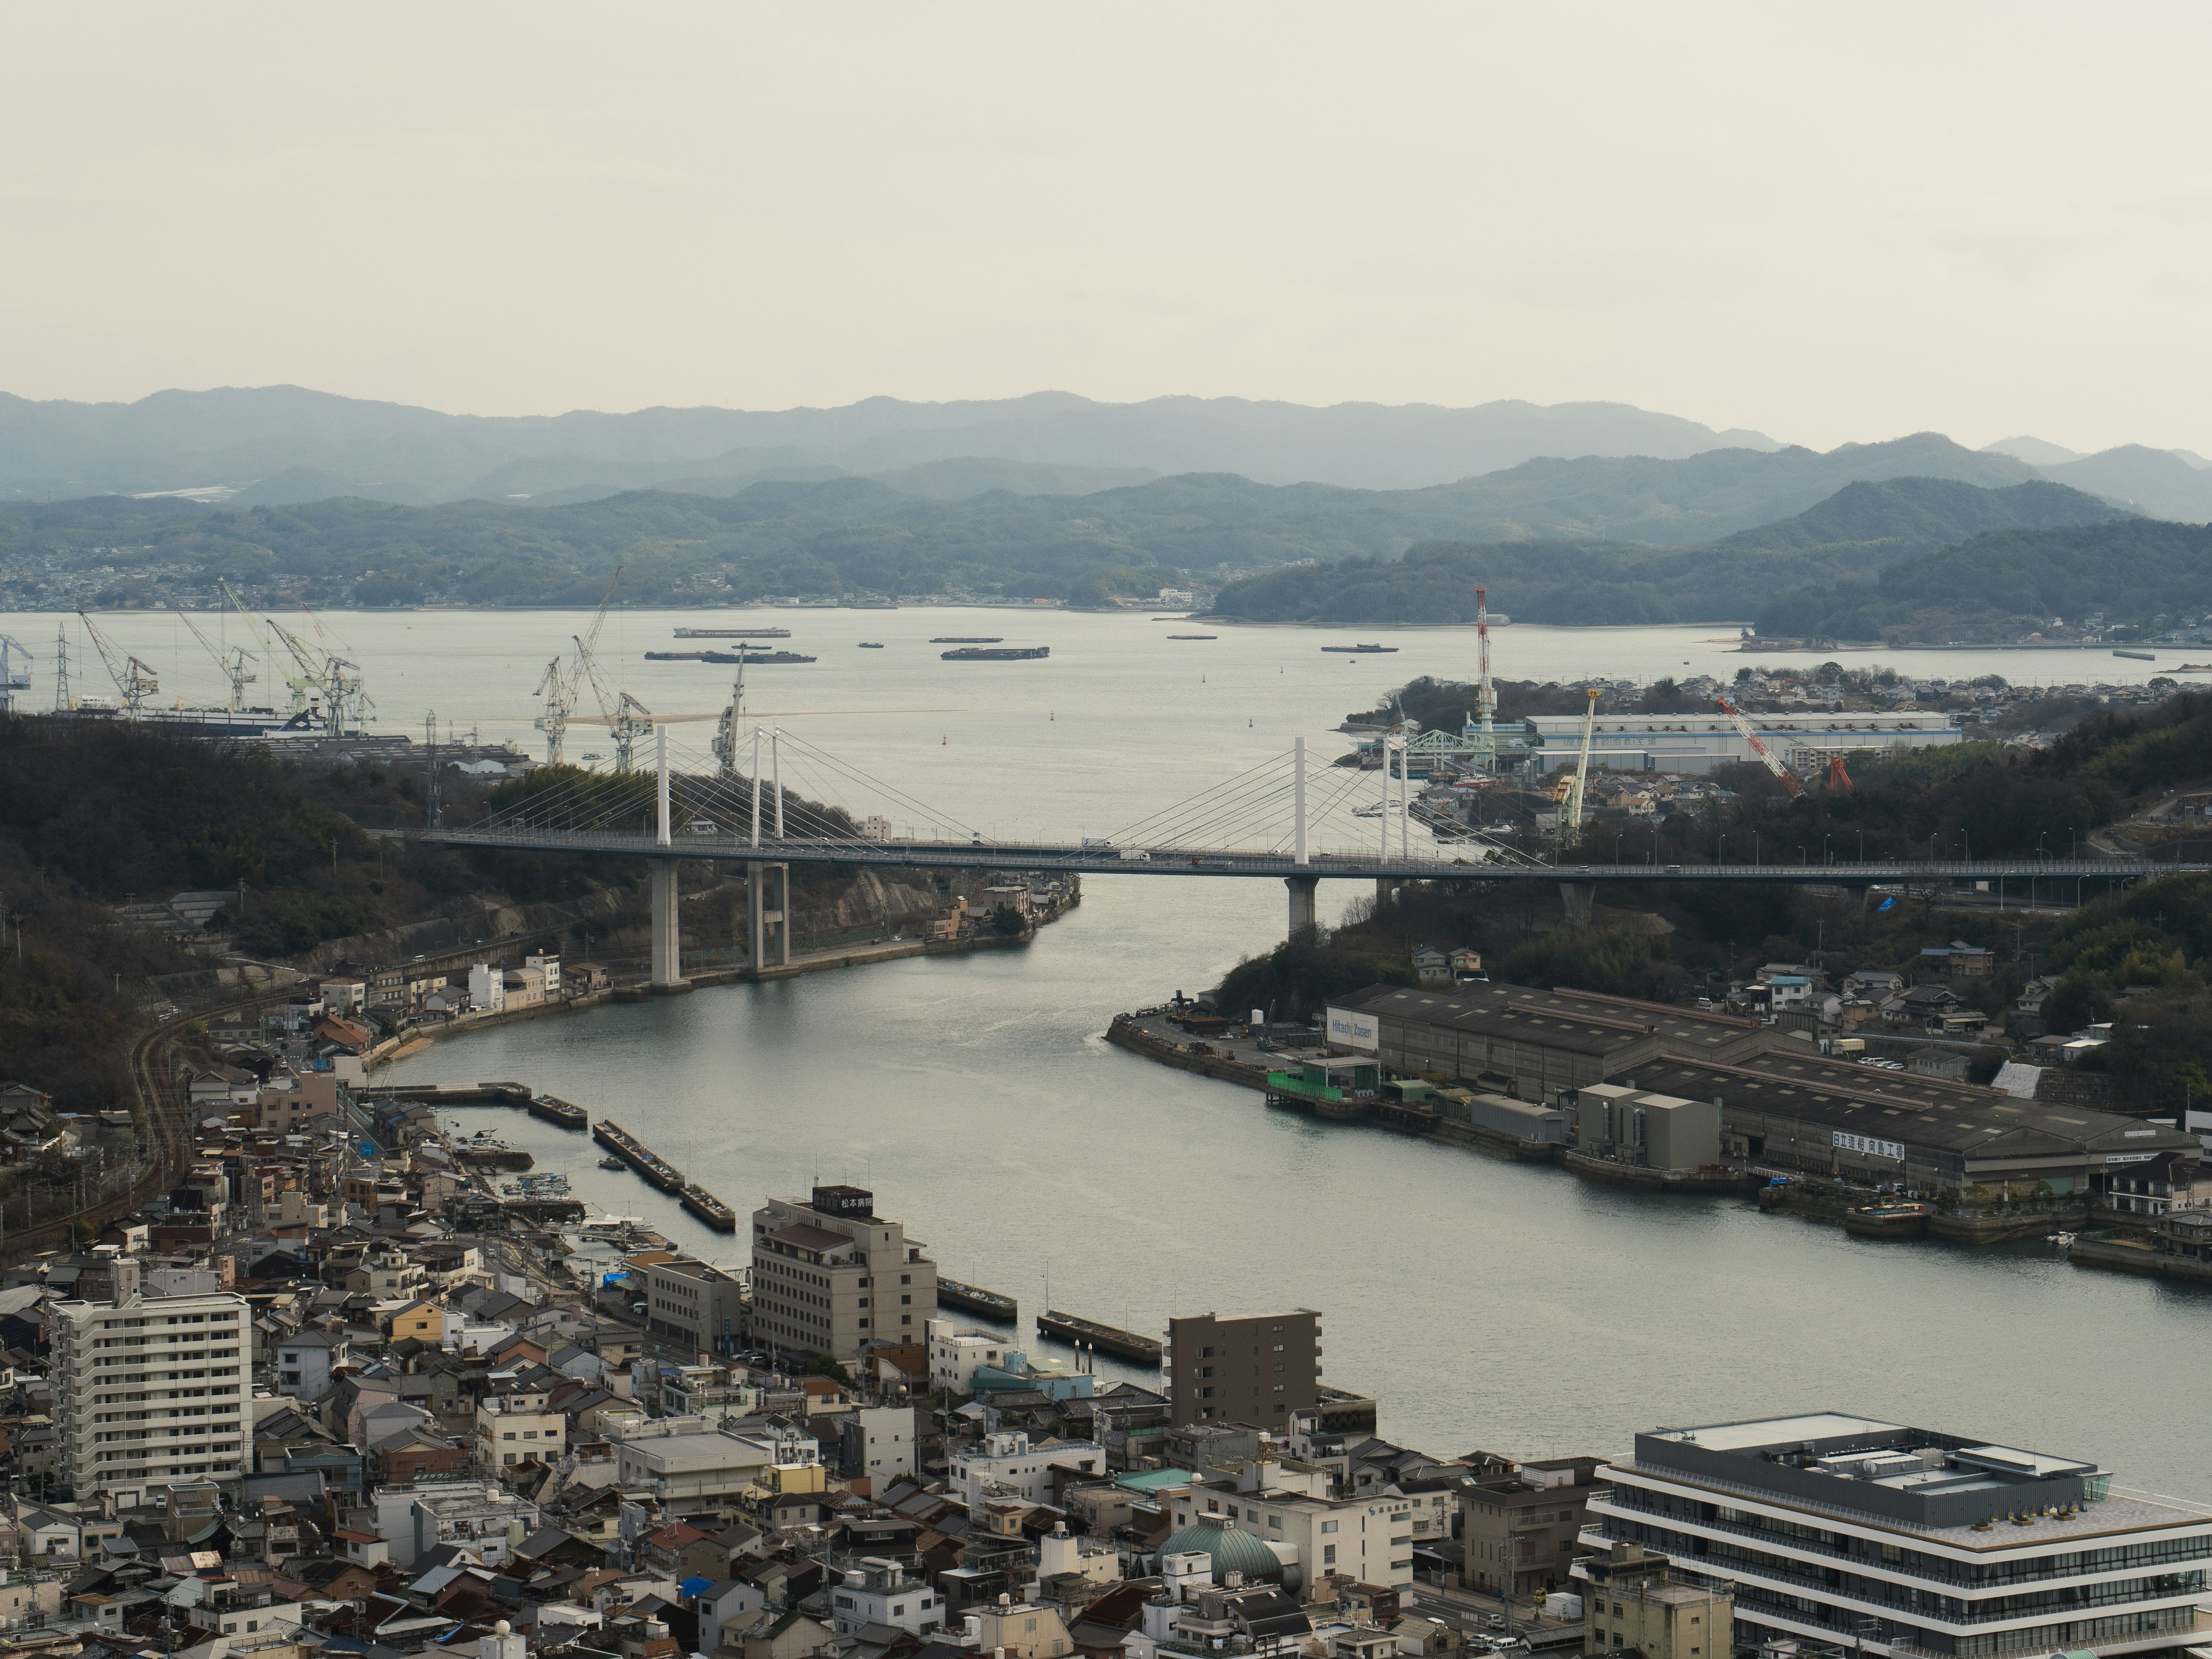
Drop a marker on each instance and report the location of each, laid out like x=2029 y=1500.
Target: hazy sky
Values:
x=1829 y=222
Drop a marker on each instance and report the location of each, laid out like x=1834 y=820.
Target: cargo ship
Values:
x=747 y=657
x=657 y=1170
x=968 y=639
x=709 y=1208
x=1361 y=650
x=733 y=633
x=996 y=654
x=1106 y=1338
x=951 y=1293
x=871 y=645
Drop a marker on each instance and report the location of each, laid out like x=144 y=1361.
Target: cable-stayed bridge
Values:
x=1283 y=818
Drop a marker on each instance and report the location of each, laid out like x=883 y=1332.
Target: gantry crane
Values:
x=1570 y=809
x=233 y=667
x=133 y=679
x=1759 y=746
x=560 y=686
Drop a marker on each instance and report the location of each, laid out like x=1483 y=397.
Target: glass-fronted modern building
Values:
x=1843 y=1531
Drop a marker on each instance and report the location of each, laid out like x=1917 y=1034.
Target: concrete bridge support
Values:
x=1304 y=920
x=667 y=930
x=768 y=901
x=1385 y=887
x=1579 y=901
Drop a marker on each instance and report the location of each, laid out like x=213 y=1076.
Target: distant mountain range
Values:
x=284 y=444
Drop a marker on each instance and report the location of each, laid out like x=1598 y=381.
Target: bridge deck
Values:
x=1470 y=866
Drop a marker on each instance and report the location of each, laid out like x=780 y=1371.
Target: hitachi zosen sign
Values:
x=1348 y=1029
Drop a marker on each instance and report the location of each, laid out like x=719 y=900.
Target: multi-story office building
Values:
x=1843 y=1530
x=149 y=1389
x=1521 y=1523
x=1257 y=1370
x=691 y=1303
x=830 y=1273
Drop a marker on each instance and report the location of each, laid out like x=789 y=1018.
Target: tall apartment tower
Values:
x=830 y=1273
x=1257 y=1370
x=150 y=1387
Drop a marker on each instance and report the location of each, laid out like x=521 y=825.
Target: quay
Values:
x=657 y=1170
x=1106 y=1338
x=708 y=1208
x=974 y=1298
x=550 y=1108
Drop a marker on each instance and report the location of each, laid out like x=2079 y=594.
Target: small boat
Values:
x=612 y=1164
x=1361 y=650
x=871 y=645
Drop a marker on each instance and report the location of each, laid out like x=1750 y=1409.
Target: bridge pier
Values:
x=768 y=901
x=1304 y=920
x=1578 y=902
x=667 y=931
x=1385 y=887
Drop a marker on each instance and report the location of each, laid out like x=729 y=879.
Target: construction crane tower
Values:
x=1758 y=743
x=1570 y=810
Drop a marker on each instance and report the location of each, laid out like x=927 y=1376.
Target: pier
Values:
x=708 y=1208
x=551 y=1108
x=657 y=1170
x=1106 y=1338
x=974 y=1298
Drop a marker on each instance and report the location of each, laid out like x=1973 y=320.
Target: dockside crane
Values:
x=233 y=667
x=1570 y=809
x=1759 y=747
x=133 y=679
x=627 y=718
x=15 y=671
x=725 y=729
x=300 y=686
x=561 y=683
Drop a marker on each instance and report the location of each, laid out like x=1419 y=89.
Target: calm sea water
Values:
x=1487 y=1304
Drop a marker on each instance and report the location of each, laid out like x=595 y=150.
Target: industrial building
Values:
x=1845 y=1531
x=1704 y=742
x=1778 y=1102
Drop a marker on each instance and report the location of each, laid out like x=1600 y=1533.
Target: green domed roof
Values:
x=1230 y=1549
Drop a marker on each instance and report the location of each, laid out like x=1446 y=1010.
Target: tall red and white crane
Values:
x=1485 y=695
x=1759 y=747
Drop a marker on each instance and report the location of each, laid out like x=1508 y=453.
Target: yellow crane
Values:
x=1570 y=809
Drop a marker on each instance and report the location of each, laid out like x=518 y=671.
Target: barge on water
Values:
x=709 y=1208
x=751 y=656
x=733 y=633
x=1106 y=1338
x=997 y=653
x=951 y=1293
x=657 y=1170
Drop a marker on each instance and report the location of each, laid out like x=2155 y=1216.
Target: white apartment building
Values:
x=954 y=1355
x=680 y=1459
x=149 y=1390
x=829 y=1274
x=880 y=1443
x=549 y=968
x=1006 y=1464
x=880 y=1592
x=487 y=987
x=1286 y=1506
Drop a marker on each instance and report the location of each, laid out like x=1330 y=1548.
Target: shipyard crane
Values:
x=627 y=718
x=1571 y=808
x=299 y=687
x=1837 y=775
x=560 y=686
x=12 y=677
x=336 y=679
x=233 y=667
x=133 y=679
x=725 y=729
x=1759 y=746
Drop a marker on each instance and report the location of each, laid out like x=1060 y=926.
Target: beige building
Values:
x=1521 y=1523
x=1633 y=1601
x=1287 y=1506
x=1257 y=1370
x=829 y=1274
x=693 y=1303
x=516 y=1427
